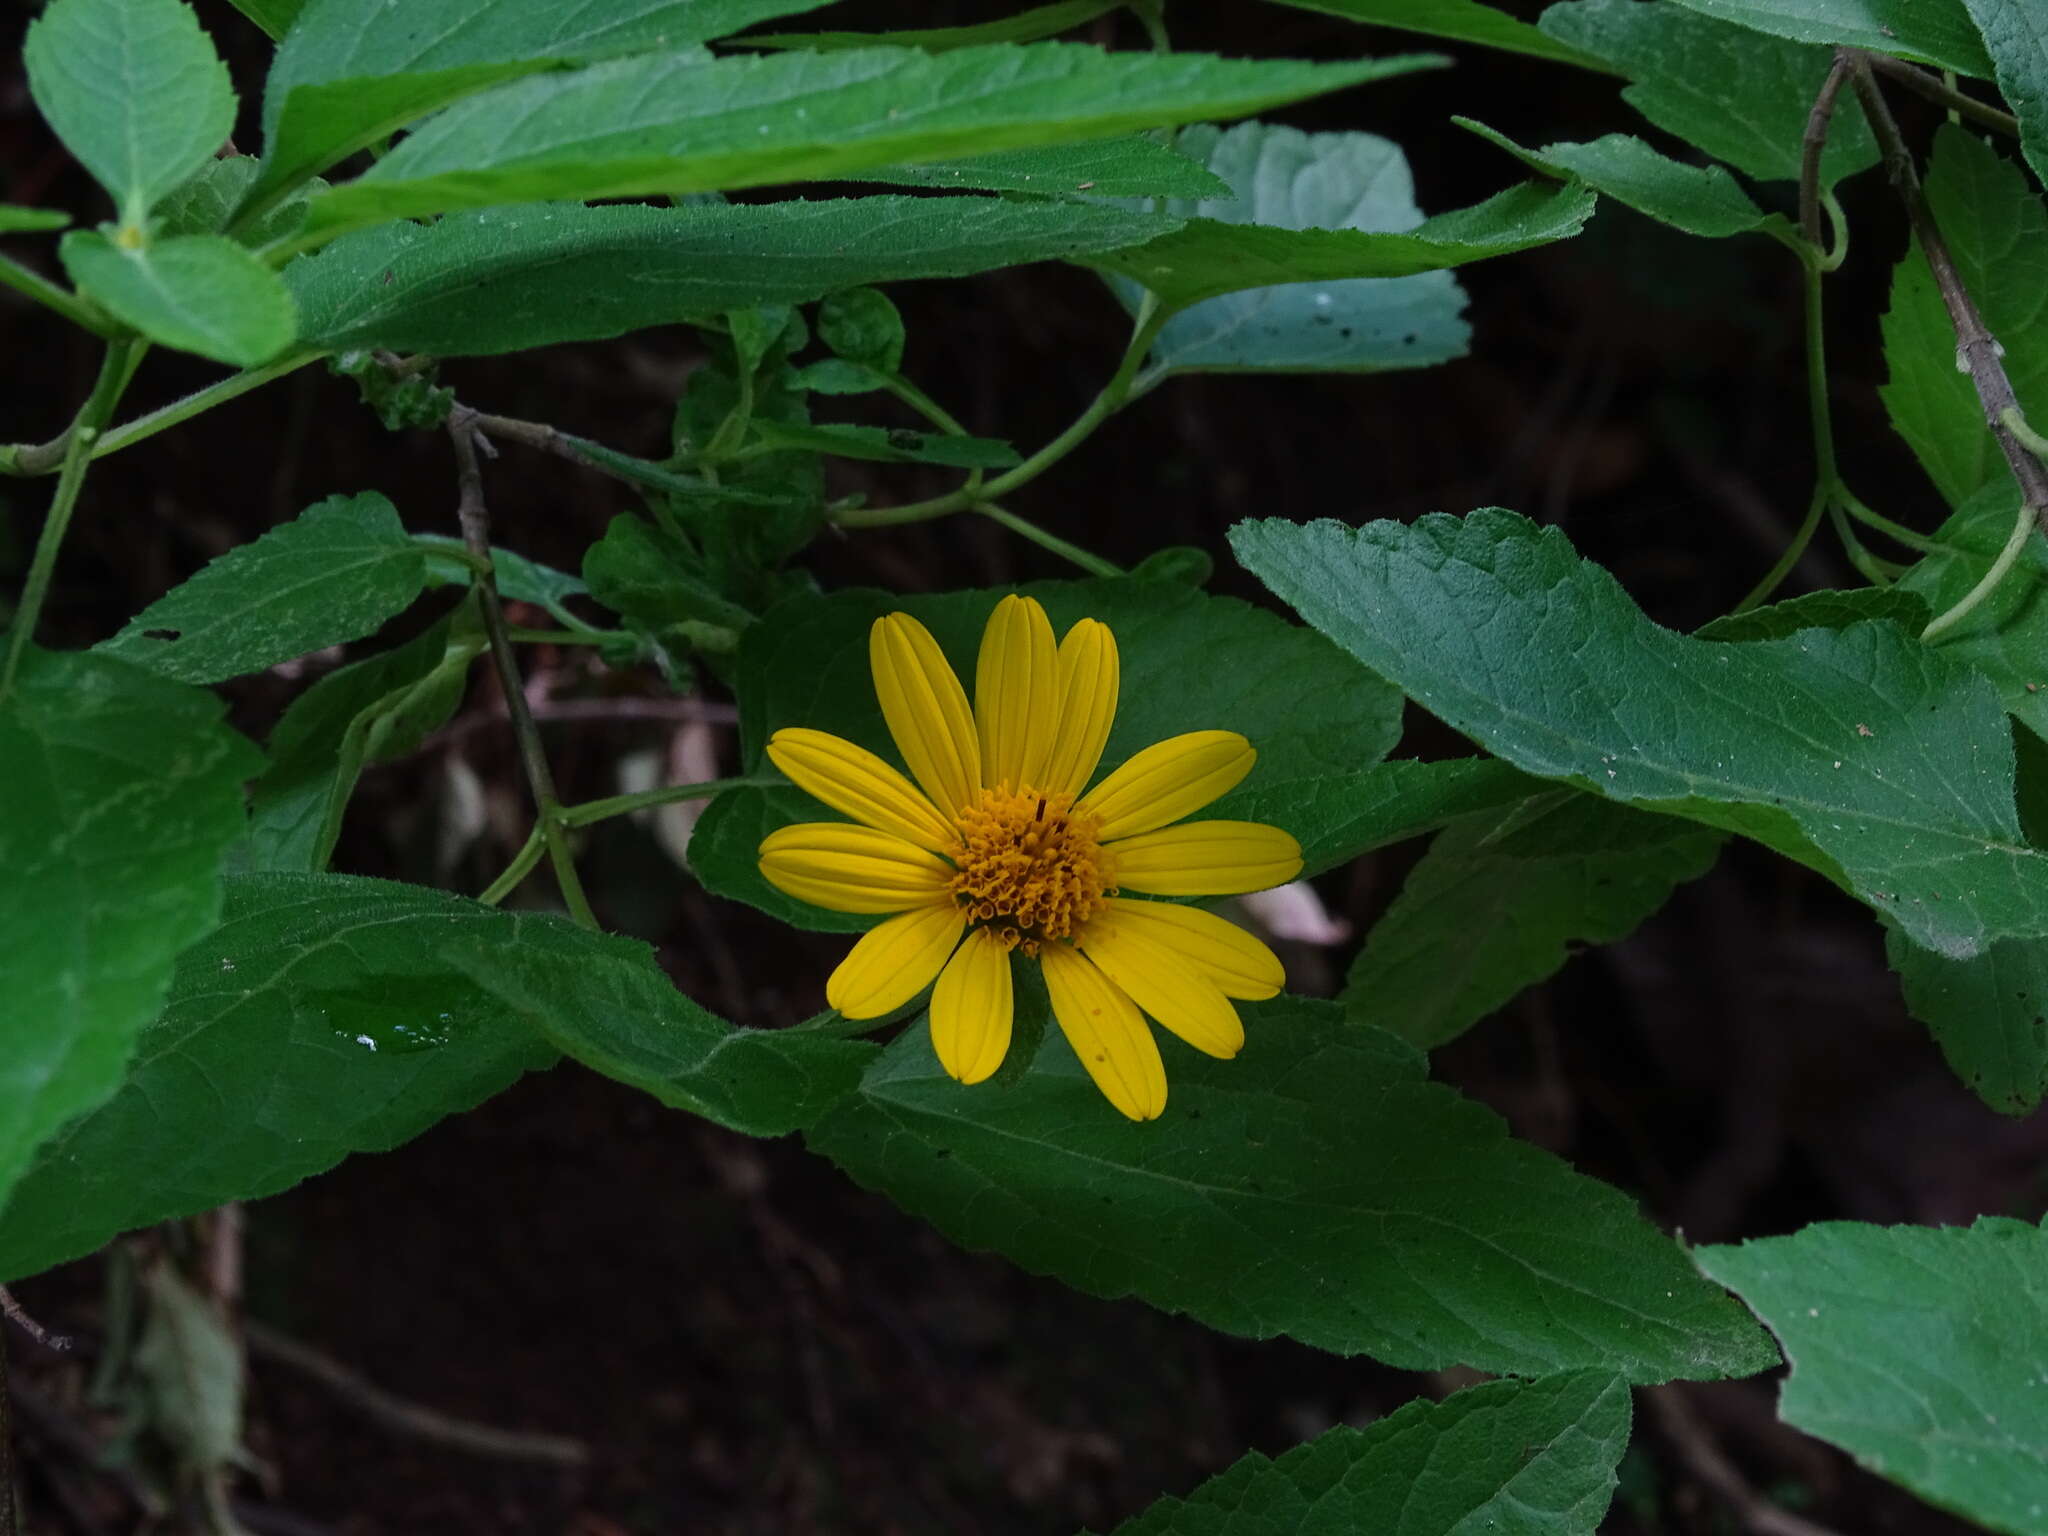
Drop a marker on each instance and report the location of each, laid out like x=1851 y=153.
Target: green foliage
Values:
x=1503 y=896
x=1916 y=1350
x=1461 y=21
x=334 y=573
x=1989 y=1014
x=199 y=293
x=135 y=91
x=2016 y=36
x=1739 y=95
x=862 y=326
x=14 y=219
x=1128 y=167
x=1823 y=610
x=1872 y=759
x=2003 y=637
x=1431 y=1239
x=1521 y=1458
x=1028 y=26
x=119 y=794
x=1937 y=32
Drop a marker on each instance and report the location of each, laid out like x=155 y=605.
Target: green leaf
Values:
x=322 y=1018
x=135 y=91
x=1699 y=199
x=520 y=580
x=1822 y=610
x=1917 y=1350
x=2016 y=35
x=336 y=572
x=198 y=293
x=1989 y=1015
x=1030 y=26
x=16 y=219
x=680 y=124
x=1189 y=662
x=1501 y=899
x=1517 y=1458
x=861 y=325
x=353 y=71
x=205 y=203
x=366 y=712
x=605 y=1002
x=1937 y=32
x=1286 y=179
x=1996 y=229
x=275 y=17
x=647 y=575
x=1462 y=21
x=1210 y=257
x=892 y=445
x=836 y=376
x=1135 y=166
x=2005 y=635
x=1317 y=1186
x=1739 y=95
x=508 y=279
x=1875 y=759
x=119 y=794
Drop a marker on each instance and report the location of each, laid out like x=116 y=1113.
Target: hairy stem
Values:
x=1094 y=564
x=33 y=285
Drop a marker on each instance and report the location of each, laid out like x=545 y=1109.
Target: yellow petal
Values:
x=894 y=961
x=852 y=869
x=1238 y=963
x=1165 y=986
x=1168 y=780
x=1107 y=1032
x=972 y=1009
x=1088 y=686
x=927 y=711
x=853 y=780
x=1016 y=692
x=1205 y=858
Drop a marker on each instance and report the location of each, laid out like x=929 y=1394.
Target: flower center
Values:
x=1029 y=866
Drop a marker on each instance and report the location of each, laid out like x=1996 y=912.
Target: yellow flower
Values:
x=1002 y=851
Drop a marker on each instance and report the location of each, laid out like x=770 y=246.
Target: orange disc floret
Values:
x=1030 y=866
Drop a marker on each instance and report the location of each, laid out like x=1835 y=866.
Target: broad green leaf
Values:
x=1030 y=26
x=520 y=580
x=644 y=573
x=1917 y=1350
x=322 y=1018
x=674 y=125
x=1286 y=179
x=119 y=794
x=366 y=712
x=1739 y=95
x=15 y=219
x=205 y=203
x=893 y=445
x=1501 y=899
x=1937 y=32
x=1189 y=662
x=1317 y=1186
x=198 y=293
x=1461 y=21
x=1822 y=610
x=1875 y=759
x=1208 y=257
x=1511 y=1458
x=353 y=71
x=1996 y=229
x=605 y=1002
x=2016 y=36
x=2006 y=636
x=1699 y=199
x=336 y=572
x=1989 y=1014
x=508 y=279
x=864 y=326
x=135 y=91
x=1134 y=166
x=275 y=17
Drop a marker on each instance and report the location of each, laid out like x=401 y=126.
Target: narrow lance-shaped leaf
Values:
x=198 y=293
x=1461 y=21
x=679 y=124
x=1029 y=26
x=1134 y=166
x=1937 y=32
x=1917 y=1350
x=1316 y=1186
x=1861 y=752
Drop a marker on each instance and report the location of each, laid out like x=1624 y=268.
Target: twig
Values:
x=28 y=1325
x=475 y=518
x=1812 y=145
x=1705 y=1460
x=48 y=1422
x=1916 y=79
x=407 y=1418
x=1976 y=348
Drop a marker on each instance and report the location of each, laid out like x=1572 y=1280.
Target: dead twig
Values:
x=29 y=1326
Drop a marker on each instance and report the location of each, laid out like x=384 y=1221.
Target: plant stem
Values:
x=923 y=404
x=475 y=518
x=85 y=430
x=520 y=867
x=1916 y=79
x=624 y=805
x=1898 y=532
x=2022 y=525
x=33 y=285
x=1151 y=317
x=1825 y=478
x=1811 y=146
x=1093 y=564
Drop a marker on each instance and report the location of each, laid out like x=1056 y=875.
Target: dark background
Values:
x=747 y=1342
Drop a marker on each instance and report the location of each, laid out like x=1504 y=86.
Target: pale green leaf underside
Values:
x=1508 y=1458
x=1861 y=752
x=1917 y=1350
x=198 y=293
x=675 y=125
x=1937 y=32
x=333 y=574
x=1316 y=1186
